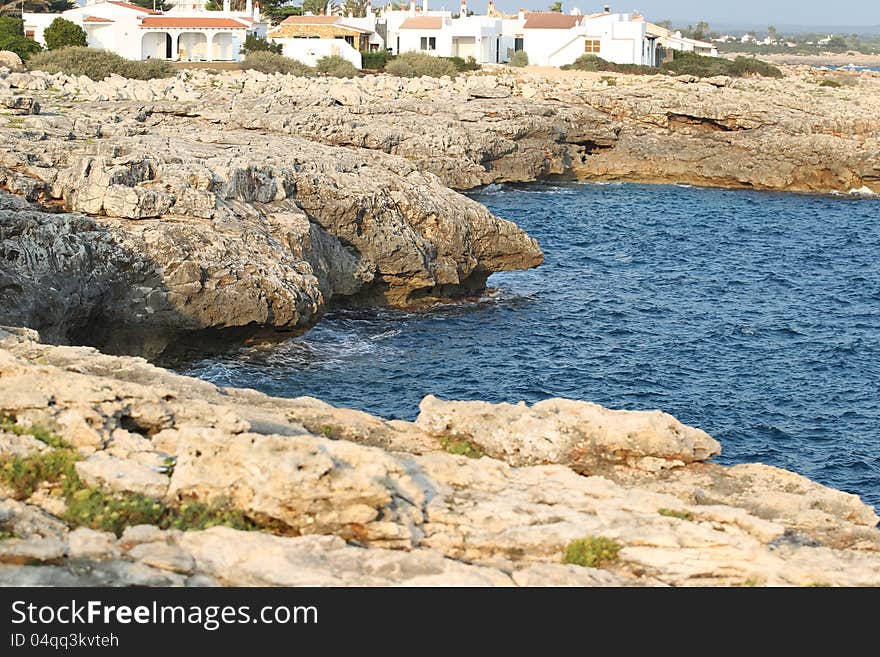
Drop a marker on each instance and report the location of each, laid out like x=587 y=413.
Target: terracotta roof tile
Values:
x=190 y=21
x=96 y=19
x=549 y=20
x=128 y=5
x=310 y=20
x=423 y=23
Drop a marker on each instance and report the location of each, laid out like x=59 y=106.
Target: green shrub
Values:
x=461 y=64
x=270 y=62
x=596 y=63
x=591 y=552
x=98 y=64
x=461 y=448
x=417 y=64
x=828 y=82
x=12 y=38
x=337 y=67
x=519 y=59
x=149 y=69
x=688 y=63
x=62 y=33
x=374 y=61
x=254 y=43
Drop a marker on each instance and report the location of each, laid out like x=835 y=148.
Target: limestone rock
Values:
x=114 y=473
x=11 y=60
x=579 y=434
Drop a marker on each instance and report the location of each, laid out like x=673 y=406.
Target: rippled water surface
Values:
x=754 y=316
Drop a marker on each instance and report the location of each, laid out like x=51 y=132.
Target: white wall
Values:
x=122 y=36
x=553 y=47
x=623 y=40
x=411 y=40
x=38 y=24
x=309 y=51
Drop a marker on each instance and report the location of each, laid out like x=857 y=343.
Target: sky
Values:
x=747 y=12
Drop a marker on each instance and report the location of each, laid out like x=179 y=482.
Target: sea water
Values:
x=753 y=315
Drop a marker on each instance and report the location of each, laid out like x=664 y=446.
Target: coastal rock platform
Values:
x=339 y=497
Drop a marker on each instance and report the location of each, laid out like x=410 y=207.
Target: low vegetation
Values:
x=592 y=552
x=461 y=448
x=685 y=63
x=55 y=469
x=519 y=59
x=113 y=512
x=374 y=60
x=417 y=64
x=596 y=63
x=98 y=64
x=461 y=64
x=270 y=62
x=829 y=82
x=337 y=67
x=672 y=513
x=9 y=425
x=24 y=474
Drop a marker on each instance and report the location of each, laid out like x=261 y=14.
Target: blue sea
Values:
x=753 y=315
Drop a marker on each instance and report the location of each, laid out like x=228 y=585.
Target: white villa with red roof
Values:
x=188 y=32
x=138 y=33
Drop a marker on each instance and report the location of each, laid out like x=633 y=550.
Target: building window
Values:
x=350 y=40
x=429 y=43
x=592 y=45
x=517 y=44
x=29 y=34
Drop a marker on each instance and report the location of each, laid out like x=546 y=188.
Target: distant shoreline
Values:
x=829 y=59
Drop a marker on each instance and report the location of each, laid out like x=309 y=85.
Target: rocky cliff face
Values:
x=246 y=200
x=175 y=225
x=341 y=497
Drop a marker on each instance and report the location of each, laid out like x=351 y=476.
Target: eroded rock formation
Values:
x=347 y=498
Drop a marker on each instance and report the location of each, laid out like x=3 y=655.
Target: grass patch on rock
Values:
x=462 y=448
x=113 y=511
x=24 y=474
x=9 y=425
x=672 y=513
x=591 y=552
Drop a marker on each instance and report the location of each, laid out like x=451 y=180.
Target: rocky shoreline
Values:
x=239 y=201
x=469 y=494
x=135 y=215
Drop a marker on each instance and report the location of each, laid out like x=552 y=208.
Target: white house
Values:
x=138 y=33
x=669 y=41
x=555 y=39
x=462 y=36
x=310 y=38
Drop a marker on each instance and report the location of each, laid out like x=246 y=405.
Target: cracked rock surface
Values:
x=348 y=498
